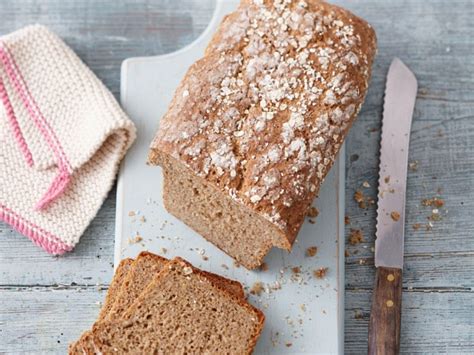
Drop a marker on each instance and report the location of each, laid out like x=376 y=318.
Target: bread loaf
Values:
x=256 y=124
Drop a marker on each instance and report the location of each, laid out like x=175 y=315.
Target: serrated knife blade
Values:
x=385 y=313
x=400 y=96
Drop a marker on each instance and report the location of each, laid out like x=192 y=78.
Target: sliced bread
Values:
x=120 y=274
x=142 y=272
x=131 y=278
x=181 y=311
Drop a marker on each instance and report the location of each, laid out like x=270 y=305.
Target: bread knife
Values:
x=385 y=315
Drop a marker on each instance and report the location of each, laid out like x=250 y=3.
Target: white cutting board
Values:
x=306 y=312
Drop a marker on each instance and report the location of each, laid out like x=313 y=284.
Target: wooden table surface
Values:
x=46 y=302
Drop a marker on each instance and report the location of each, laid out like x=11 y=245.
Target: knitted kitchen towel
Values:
x=62 y=136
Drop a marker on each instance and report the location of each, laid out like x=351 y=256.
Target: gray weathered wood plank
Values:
x=61 y=315
x=432 y=322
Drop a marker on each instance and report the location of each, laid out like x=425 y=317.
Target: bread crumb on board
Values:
x=311 y=251
x=136 y=239
x=347 y=220
x=313 y=212
x=320 y=273
x=257 y=288
x=296 y=270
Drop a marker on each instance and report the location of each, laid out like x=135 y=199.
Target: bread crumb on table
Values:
x=362 y=200
x=347 y=220
x=356 y=237
x=435 y=202
x=413 y=166
x=359 y=198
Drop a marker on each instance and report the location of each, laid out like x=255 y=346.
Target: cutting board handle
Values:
x=385 y=315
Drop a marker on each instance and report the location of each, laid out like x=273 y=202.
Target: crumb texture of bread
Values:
x=262 y=116
x=182 y=312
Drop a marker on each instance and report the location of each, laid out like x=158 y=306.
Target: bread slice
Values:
x=130 y=279
x=142 y=272
x=120 y=274
x=181 y=311
x=256 y=124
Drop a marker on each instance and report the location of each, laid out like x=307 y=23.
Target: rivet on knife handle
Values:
x=385 y=315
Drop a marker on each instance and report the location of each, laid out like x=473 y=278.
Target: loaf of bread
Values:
x=130 y=280
x=256 y=124
x=182 y=311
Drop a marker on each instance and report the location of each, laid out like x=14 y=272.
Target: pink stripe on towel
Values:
x=61 y=181
x=14 y=125
x=39 y=236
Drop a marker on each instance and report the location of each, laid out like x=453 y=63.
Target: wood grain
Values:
x=434 y=37
x=385 y=313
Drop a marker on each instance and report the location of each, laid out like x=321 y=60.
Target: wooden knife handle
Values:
x=385 y=315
